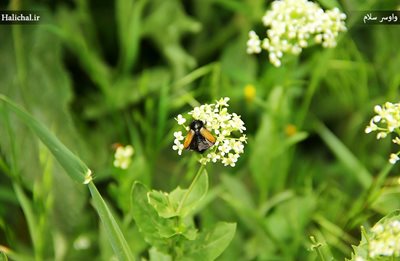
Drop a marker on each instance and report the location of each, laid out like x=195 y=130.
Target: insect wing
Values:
x=207 y=135
x=202 y=144
x=188 y=139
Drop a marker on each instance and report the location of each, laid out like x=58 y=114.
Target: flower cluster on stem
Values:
x=385 y=240
x=123 y=156
x=226 y=127
x=386 y=121
x=294 y=25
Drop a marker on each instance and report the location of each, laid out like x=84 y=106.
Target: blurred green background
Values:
x=104 y=72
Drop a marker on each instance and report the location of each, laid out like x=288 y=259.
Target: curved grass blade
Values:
x=74 y=167
x=79 y=172
x=117 y=239
x=345 y=156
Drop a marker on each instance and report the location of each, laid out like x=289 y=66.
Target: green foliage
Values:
x=363 y=249
x=165 y=221
x=106 y=72
x=77 y=170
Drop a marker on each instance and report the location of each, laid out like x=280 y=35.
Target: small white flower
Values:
x=393 y=158
x=230 y=160
x=224 y=148
x=378 y=228
x=82 y=242
x=178 y=147
x=214 y=157
x=88 y=177
x=123 y=156
x=385 y=122
x=223 y=102
x=178 y=135
x=381 y=135
x=238 y=147
x=253 y=44
x=180 y=119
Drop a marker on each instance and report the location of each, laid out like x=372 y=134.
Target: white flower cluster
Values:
x=296 y=24
x=386 y=121
x=385 y=240
x=123 y=156
x=221 y=124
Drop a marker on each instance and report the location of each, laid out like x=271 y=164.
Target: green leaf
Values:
x=161 y=202
x=26 y=205
x=74 y=167
x=115 y=236
x=211 y=244
x=78 y=171
x=156 y=255
x=196 y=194
x=167 y=205
x=151 y=225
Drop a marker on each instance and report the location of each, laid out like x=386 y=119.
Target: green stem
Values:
x=316 y=246
x=201 y=169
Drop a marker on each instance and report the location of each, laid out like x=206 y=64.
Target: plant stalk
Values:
x=201 y=169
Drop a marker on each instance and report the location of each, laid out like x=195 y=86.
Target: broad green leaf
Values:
x=115 y=236
x=161 y=202
x=192 y=200
x=151 y=225
x=74 y=167
x=167 y=205
x=156 y=255
x=210 y=244
x=387 y=200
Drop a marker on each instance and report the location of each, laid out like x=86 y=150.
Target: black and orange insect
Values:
x=198 y=138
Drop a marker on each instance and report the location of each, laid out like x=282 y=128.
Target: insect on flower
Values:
x=214 y=132
x=198 y=138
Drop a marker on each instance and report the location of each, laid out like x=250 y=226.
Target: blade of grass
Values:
x=74 y=167
x=5 y=251
x=118 y=242
x=129 y=22
x=344 y=155
x=194 y=75
x=26 y=206
x=78 y=171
